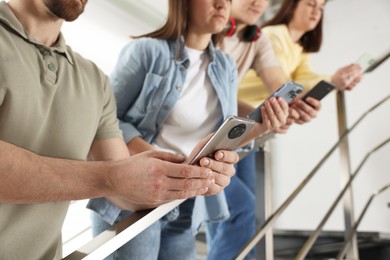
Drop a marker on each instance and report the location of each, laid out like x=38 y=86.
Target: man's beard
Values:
x=68 y=10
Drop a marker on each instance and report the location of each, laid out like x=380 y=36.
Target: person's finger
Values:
x=185 y=194
x=219 y=167
x=293 y=114
x=266 y=120
x=274 y=112
x=187 y=184
x=280 y=108
x=213 y=190
x=307 y=109
x=223 y=156
x=165 y=156
x=222 y=180
x=314 y=103
x=185 y=171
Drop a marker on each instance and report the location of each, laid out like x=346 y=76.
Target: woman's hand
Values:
x=274 y=113
x=346 y=78
x=302 y=112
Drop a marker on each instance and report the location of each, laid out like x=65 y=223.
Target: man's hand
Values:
x=152 y=178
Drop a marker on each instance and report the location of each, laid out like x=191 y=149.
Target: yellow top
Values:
x=294 y=62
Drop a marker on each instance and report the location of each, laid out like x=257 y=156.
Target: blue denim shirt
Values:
x=147 y=82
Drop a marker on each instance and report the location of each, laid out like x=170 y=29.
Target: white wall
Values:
x=352 y=27
x=105 y=26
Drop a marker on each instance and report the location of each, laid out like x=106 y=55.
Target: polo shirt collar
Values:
x=8 y=18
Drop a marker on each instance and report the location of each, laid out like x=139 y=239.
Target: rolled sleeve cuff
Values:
x=105 y=209
x=129 y=131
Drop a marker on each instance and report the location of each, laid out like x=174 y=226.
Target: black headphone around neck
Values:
x=251 y=32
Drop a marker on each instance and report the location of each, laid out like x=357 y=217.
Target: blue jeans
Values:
x=225 y=239
x=166 y=239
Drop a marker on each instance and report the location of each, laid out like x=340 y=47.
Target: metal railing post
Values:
x=269 y=236
x=349 y=217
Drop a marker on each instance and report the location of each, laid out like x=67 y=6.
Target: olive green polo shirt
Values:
x=55 y=103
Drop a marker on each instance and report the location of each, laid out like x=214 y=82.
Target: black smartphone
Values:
x=289 y=91
x=228 y=137
x=319 y=91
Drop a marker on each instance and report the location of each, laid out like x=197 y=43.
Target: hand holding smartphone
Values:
x=228 y=137
x=288 y=92
x=319 y=91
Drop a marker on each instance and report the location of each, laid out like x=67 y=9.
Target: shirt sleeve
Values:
x=108 y=124
x=127 y=80
x=295 y=64
x=305 y=76
x=265 y=55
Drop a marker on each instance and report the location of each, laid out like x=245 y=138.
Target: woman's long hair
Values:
x=176 y=24
x=310 y=41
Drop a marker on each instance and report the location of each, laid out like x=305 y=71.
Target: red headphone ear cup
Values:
x=231 y=27
x=251 y=33
x=257 y=34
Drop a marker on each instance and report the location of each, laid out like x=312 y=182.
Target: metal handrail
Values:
x=270 y=221
x=106 y=243
x=313 y=237
x=347 y=243
x=110 y=240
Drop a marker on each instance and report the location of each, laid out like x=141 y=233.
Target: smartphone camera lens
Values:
x=292 y=94
x=237 y=131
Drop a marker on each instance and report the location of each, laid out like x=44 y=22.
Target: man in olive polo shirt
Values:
x=57 y=110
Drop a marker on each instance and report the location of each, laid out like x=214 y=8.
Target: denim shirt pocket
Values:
x=154 y=91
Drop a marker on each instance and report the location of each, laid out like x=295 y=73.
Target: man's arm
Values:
x=29 y=178
x=148 y=179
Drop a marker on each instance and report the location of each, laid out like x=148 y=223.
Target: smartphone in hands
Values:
x=319 y=91
x=228 y=137
x=289 y=91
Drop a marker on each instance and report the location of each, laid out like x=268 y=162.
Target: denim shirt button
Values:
x=165 y=107
x=178 y=88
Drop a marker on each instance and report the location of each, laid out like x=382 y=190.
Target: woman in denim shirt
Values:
x=172 y=89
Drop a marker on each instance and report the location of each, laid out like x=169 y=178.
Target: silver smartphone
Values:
x=289 y=91
x=228 y=137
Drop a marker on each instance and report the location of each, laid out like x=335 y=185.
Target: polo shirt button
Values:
x=51 y=66
x=46 y=53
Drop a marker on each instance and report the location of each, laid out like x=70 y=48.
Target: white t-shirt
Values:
x=197 y=111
